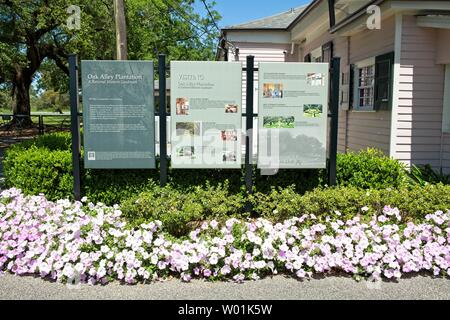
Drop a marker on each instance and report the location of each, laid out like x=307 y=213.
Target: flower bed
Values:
x=70 y=240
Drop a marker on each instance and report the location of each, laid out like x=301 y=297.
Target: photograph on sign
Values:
x=206 y=114
x=118 y=114
x=293 y=109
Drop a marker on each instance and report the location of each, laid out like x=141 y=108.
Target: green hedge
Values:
x=43 y=165
x=414 y=202
x=181 y=212
x=370 y=169
x=36 y=170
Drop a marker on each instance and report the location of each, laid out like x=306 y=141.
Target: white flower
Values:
x=297 y=265
x=154 y=259
x=214 y=224
x=104 y=249
x=79 y=268
x=213 y=260
x=68 y=271
x=44 y=268
x=101 y=272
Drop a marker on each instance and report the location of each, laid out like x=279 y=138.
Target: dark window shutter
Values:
x=351 y=89
x=384 y=76
x=308 y=57
x=327 y=52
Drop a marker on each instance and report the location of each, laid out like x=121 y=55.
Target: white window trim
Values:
x=446 y=112
x=358 y=65
x=316 y=53
x=365 y=63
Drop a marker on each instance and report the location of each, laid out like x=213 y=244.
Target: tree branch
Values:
x=58 y=55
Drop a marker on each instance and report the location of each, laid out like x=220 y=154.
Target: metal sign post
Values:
x=75 y=125
x=334 y=115
x=162 y=121
x=249 y=128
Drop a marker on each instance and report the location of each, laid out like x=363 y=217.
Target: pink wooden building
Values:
x=395 y=80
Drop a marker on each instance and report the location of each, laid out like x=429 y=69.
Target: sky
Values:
x=239 y=11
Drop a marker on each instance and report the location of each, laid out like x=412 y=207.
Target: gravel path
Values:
x=278 y=288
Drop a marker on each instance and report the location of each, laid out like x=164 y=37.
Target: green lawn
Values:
x=279 y=122
x=49 y=121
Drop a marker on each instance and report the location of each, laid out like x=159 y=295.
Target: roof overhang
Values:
x=357 y=21
x=305 y=12
x=312 y=23
x=355 y=16
x=434 y=21
x=254 y=29
x=420 y=5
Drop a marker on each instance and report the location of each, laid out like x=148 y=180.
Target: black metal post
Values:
x=41 y=124
x=332 y=12
x=75 y=125
x=249 y=136
x=162 y=121
x=334 y=110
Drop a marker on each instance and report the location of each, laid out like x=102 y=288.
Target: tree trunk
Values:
x=21 y=99
x=121 y=30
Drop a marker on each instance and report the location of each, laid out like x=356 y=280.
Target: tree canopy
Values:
x=35 y=38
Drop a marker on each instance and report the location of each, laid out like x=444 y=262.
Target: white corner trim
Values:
x=446 y=113
x=396 y=84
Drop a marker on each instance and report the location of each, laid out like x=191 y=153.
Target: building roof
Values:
x=279 y=21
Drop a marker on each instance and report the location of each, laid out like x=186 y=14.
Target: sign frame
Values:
x=206 y=115
x=118 y=114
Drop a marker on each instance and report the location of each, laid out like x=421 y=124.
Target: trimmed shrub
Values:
x=44 y=153
x=43 y=165
x=370 y=169
x=413 y=202
x=114 y=186
x=58 y=141
x=182 y=211
x=38 y=170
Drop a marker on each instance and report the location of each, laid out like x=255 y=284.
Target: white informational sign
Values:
x=206 y=114
x=293 y=115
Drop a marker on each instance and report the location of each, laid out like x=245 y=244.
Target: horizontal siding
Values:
x=370 y=43
x=360 y=130
x=370 y=129
x=341 y=48
x=419 y=113
x=263 y=52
